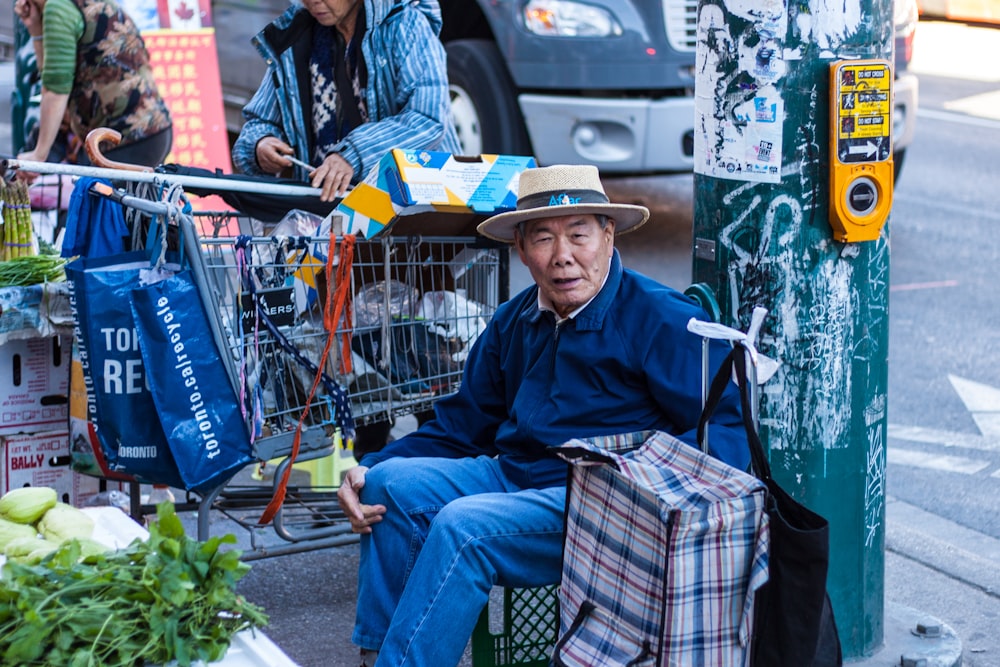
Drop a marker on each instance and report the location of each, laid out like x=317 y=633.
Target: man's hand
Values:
x=334 y=176
x=272 y=155
x=361 y=516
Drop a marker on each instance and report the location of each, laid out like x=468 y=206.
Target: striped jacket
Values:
x=407 y=92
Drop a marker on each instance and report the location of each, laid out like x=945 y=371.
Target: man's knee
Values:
x=459 y=529
x=380 y=479
x=468 y=520
x=490 y=532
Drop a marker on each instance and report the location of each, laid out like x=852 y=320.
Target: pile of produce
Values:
x=33 y=524
x=32 y=270
x=73 y=603
x=21 y=260
x=18 y=231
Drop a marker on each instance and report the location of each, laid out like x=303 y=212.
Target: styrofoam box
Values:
x=34 y=384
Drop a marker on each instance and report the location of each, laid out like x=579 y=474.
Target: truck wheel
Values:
x=483 y=100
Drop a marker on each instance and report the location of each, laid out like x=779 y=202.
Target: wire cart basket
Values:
x=417 y=305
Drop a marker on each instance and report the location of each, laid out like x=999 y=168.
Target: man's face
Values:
x=331 y=12
x=568 y=257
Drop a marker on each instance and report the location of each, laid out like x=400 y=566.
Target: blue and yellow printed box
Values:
x=416 y=186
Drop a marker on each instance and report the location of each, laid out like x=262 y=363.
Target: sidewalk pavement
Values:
x=937 y=574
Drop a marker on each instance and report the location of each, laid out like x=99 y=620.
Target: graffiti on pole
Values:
x=738 y=110
x=813 y=303
x=874 y=501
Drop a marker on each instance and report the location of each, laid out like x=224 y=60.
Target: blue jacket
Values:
x=407 y=92
x=626 y=363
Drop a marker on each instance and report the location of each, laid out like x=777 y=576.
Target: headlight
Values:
x=565 y=18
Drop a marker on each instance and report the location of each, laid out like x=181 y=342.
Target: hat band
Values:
x=561 y=198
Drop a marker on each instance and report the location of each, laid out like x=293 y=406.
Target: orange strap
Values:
x=338 y=296
x=344 y=298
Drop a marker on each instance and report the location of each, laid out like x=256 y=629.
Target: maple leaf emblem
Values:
x=184 y=12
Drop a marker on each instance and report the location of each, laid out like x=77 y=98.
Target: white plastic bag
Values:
x=453 y=316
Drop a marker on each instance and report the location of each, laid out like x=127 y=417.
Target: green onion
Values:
x=32 y=270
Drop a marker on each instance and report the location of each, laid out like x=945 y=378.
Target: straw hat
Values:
x=549 y=192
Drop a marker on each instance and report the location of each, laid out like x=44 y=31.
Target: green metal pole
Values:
x=762 y=236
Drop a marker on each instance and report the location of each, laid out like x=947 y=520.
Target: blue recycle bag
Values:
x=197 y=404
x=125 y=416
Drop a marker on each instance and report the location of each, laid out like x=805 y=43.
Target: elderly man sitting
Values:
x=475 y=498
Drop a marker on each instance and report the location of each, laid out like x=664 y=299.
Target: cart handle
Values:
x=93 y=146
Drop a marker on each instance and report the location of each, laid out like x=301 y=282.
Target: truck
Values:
x=609 y=83
x=602 y=82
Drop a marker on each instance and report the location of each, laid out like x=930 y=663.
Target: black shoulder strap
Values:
x=736 y=361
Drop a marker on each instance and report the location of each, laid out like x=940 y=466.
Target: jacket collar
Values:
x=293 y=26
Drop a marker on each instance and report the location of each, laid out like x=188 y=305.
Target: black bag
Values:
x=264 y=207
x=793 y=618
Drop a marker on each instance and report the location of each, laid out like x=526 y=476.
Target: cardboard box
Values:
x=42 y=459
x=34 y=384
x=431 y=193
x=86 y=455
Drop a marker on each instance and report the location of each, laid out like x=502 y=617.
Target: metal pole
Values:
x=762 y=236
x=230 y=185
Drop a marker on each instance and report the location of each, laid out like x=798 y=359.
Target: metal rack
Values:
x=405 y=354
x=418 y=304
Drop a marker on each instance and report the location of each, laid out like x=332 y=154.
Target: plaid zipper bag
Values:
x=664 y=548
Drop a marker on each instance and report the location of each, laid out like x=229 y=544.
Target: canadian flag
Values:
x=183 y=14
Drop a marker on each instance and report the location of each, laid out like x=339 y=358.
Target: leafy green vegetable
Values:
x=168 y=598
x=32 y=270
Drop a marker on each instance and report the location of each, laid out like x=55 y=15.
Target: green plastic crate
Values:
x=530 y=627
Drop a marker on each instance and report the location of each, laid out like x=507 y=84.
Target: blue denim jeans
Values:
x=453 y=529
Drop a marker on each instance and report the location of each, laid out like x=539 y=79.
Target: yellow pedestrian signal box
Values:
x=861 y=169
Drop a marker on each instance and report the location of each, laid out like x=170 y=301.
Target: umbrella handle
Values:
x=93 y=146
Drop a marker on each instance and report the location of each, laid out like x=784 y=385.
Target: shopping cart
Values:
x=417 y=305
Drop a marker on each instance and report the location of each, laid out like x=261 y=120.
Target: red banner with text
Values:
x=181 y=43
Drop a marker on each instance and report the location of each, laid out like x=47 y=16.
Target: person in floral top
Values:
x=95 y=73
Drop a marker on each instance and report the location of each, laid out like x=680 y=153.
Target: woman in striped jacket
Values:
x=356 y=79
